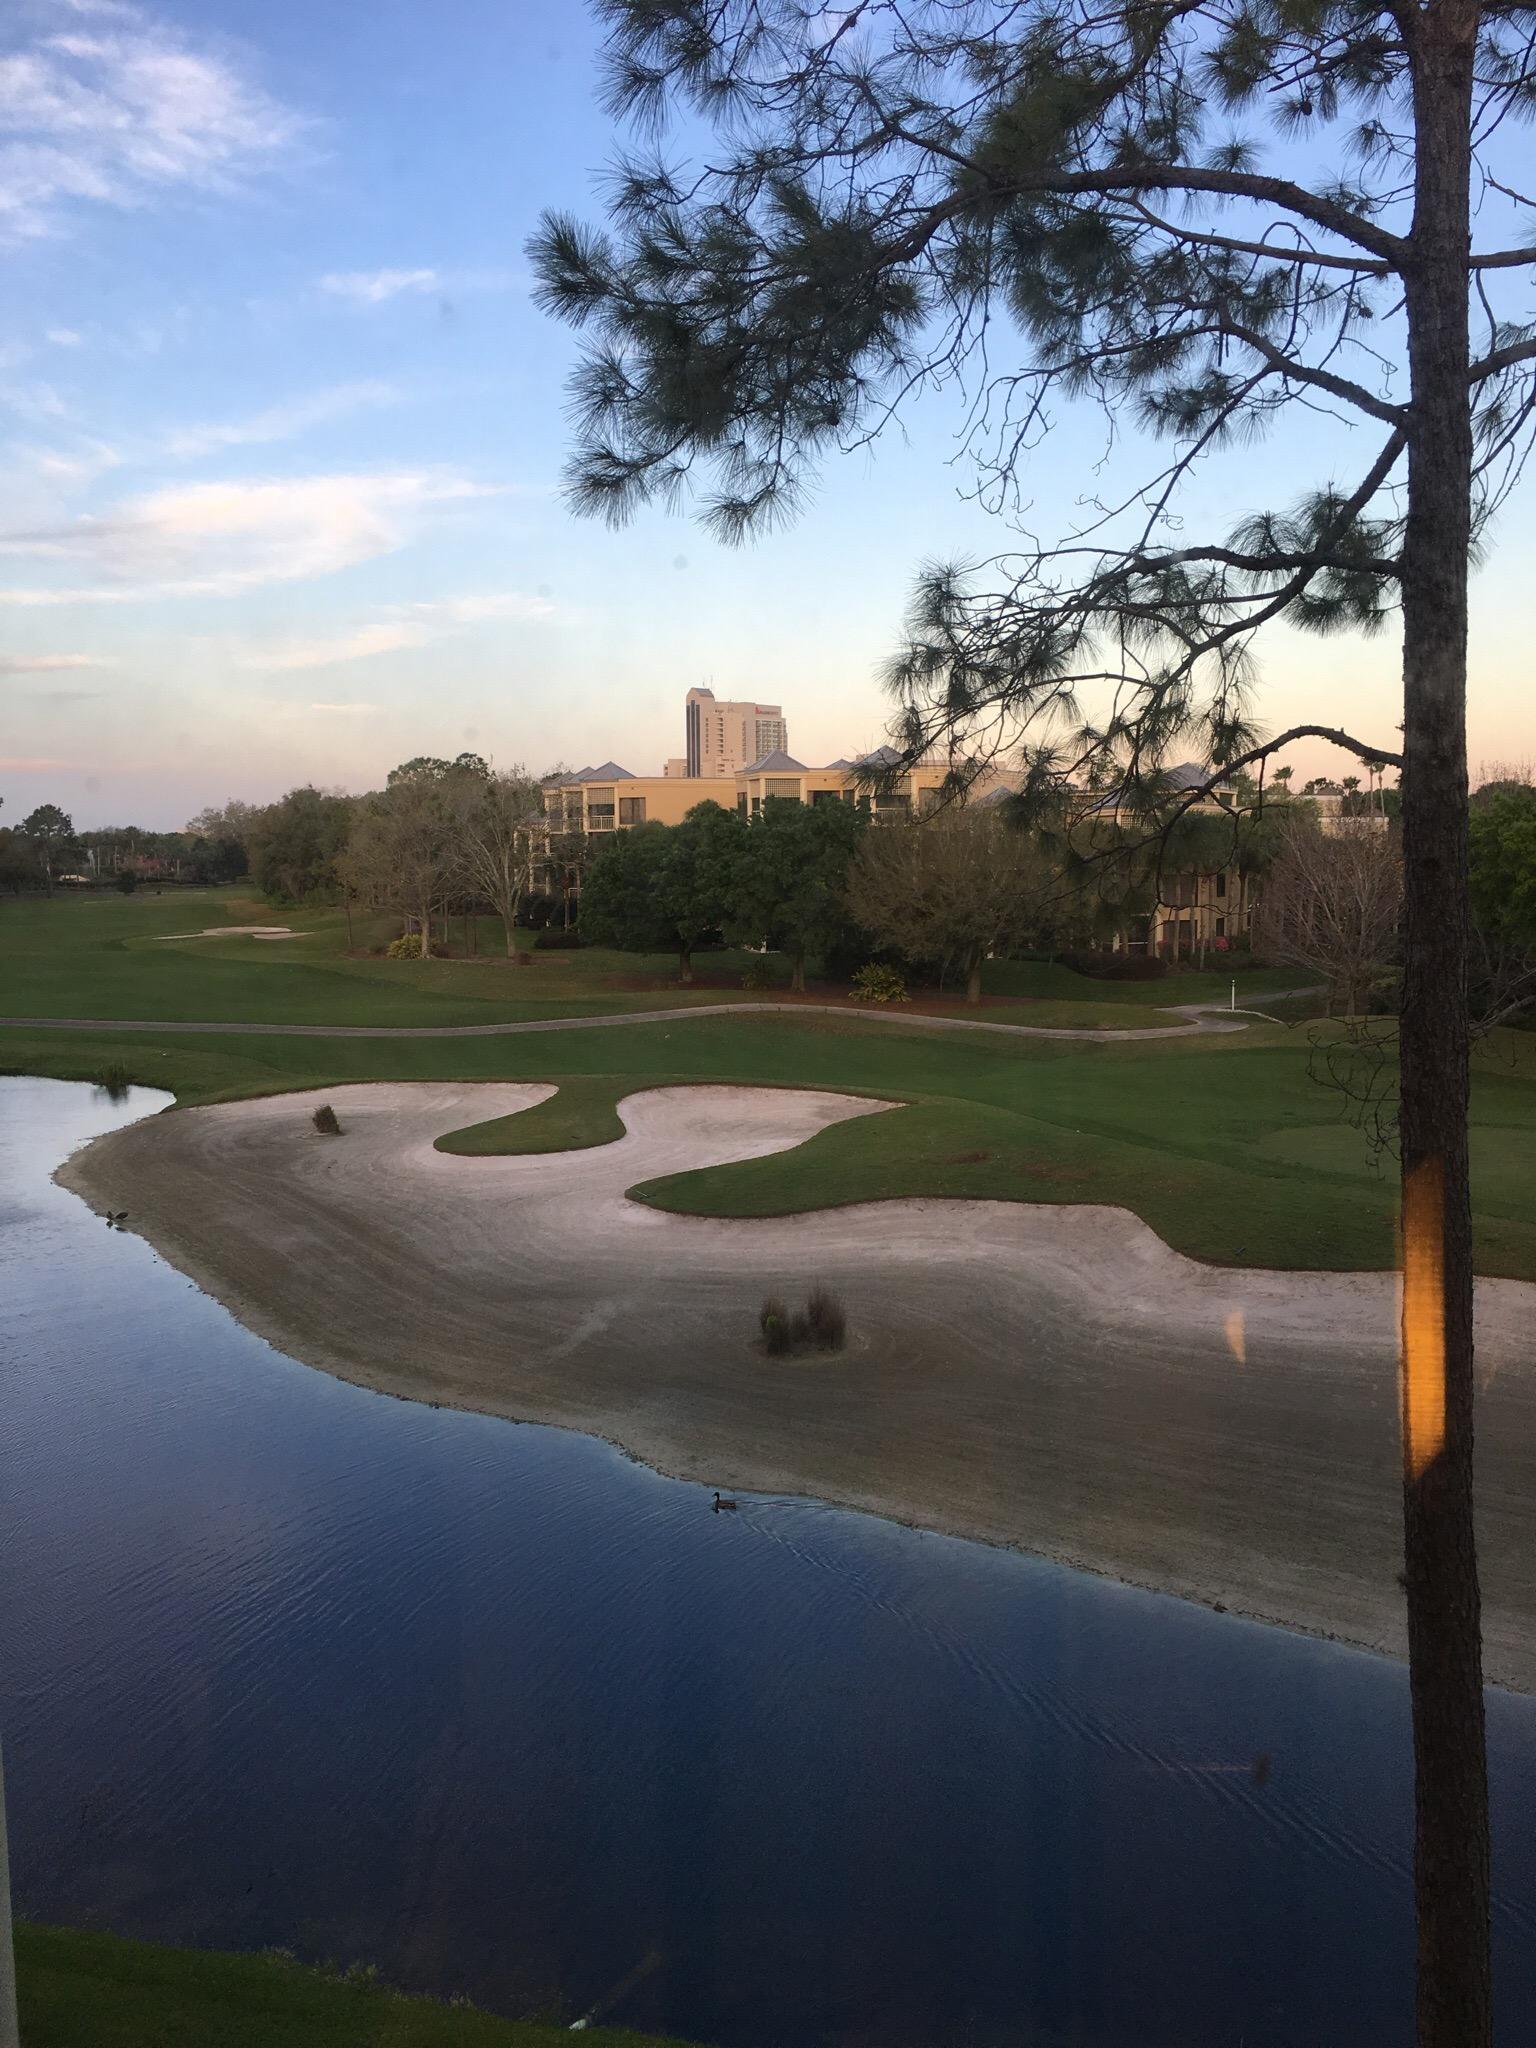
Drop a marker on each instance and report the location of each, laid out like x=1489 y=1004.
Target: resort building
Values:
x=1198 y=909
x=609 y=798
x=722 y=738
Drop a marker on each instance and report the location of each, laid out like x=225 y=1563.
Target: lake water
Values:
x=286 y=1662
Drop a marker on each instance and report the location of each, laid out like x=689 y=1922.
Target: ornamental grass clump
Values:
x=827 y=1319
x=821 y=1325
x=325 y=1121
x=773 y=1321
x=116 y=1078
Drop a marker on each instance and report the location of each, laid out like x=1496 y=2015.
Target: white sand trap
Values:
x=1055 y=1377
x=236 y=931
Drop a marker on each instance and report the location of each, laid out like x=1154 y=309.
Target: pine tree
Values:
x=1201 y=218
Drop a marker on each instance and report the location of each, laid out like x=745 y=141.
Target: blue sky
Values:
x=282 y=435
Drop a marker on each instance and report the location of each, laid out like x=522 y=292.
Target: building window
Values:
x=599 y=817
x=741 y=801
x=1221 y=885
x=782 y=785
x=631 y=810
x=1221 y=927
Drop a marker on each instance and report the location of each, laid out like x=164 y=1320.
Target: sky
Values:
x=282 y=430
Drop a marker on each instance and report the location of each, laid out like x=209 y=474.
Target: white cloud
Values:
x=64 y=337
x=341 y=707
x=214 y=539
x=116 y=113
x=71 y=467
x=279 y=422
x=373 y=287
x=45 y=664
x=496 y=604
x=37 y=403
x=329 y=649
x=403 y=626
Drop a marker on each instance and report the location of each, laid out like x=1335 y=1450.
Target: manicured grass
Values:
x=1050 y=981
x=1230 y=1147
x=89 y=1990
x=112 y=956
x=583 y=1113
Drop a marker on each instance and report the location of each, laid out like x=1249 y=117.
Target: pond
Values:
x=286 y=1662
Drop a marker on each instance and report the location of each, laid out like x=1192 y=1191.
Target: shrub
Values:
x=826 y=1319
x=777 y=1337
x=821 y=1323
x=127 y=882
x=558 y=941
x=759 y=973
x=1104 y=966
x=406 y=947
x=324 y=1120
x=538 y=911
x=879 y=984
x=116 y=1078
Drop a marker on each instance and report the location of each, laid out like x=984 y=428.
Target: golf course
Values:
x=1236 y=1147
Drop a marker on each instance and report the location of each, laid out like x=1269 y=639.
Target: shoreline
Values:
x=1055 y=1381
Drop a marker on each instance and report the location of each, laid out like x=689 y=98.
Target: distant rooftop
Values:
x=610 y=771
x=776 y=763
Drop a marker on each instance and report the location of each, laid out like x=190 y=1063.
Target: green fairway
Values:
x=90 y=1990
x=1230 y=1147
x=131 y=957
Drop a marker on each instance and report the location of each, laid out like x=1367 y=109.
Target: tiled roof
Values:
x=776 y=763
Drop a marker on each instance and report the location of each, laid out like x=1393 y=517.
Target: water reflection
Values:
x=290 y=1662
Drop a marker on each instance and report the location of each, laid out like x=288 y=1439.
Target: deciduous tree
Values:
x=500 y=819
x=954 y=888
x=1331 y=902
x=1503 y=875
x=50 y=833
x=790 y=879
x=404 y=848
x=294 y=845
x=663 y=888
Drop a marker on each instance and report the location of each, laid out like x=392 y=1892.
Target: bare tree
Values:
x=500 y=821
x=954 y=888
x=1331 y=903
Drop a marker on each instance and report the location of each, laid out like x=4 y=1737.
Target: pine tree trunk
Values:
x=1440 y=1559
x=426 y=931
x=684 y=963
x=797 y=975
x=973 y=980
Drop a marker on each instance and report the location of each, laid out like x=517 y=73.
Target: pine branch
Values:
x=1324 y=380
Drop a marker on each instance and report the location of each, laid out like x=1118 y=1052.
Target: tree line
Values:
x=818 y=882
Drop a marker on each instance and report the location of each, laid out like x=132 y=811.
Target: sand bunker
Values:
x=235 y=931
x=1051 y=1377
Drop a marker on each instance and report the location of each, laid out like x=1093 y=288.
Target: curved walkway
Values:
x=1202 y=1017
